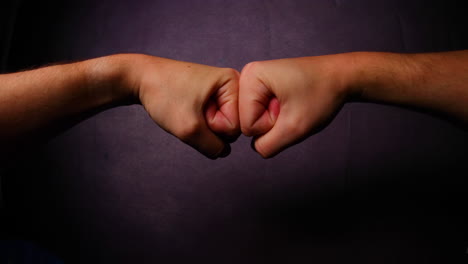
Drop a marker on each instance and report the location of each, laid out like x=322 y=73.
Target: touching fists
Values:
x=278 y=102
x=283 y=101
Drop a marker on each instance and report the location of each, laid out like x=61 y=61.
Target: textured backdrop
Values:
x=380 y=184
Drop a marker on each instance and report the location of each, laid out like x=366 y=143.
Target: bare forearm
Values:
x=196 y=103
x=33 y=99
x=433 y=81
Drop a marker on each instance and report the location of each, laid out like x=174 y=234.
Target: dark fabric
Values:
x=380 y=184
x=8 y=12
x=20 y=252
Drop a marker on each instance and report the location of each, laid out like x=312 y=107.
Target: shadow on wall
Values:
x=414 y=213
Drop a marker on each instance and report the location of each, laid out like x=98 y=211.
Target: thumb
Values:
x=283 y=134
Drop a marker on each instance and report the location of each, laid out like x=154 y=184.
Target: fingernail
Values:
x=226 y=151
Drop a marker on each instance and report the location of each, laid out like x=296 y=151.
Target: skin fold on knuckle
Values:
x=234 y=129
x=247 y=128
x=227 y=77
x=246 y=131
x=252 y=116
x=188 y=131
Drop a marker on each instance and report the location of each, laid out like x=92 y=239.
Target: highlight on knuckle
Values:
x=249 y=128
x=189 y=130
x=297 y=127
x=251 y=66
x=232 y=73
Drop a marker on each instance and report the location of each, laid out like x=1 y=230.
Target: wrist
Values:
x=110 y=78
x=381 y=76
x=347 y=72
x=355 y=74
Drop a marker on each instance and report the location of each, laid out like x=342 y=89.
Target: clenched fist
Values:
x=196 y=103
x=282 y=101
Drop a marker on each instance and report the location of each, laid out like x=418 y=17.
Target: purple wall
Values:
x=380 y=184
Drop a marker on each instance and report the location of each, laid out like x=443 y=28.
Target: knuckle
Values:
x=297 y=126
x=247 y=131
x=235 y=129
x=232 y=73
x=229 y=79
x=261 y=149
x=248 y=128
x=189 y=130
x=251 y=67
x=253 y=73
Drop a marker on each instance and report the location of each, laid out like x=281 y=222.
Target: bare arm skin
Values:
x=196 y=103
x=32 y=99
x=283 y=101
x=432 y=81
